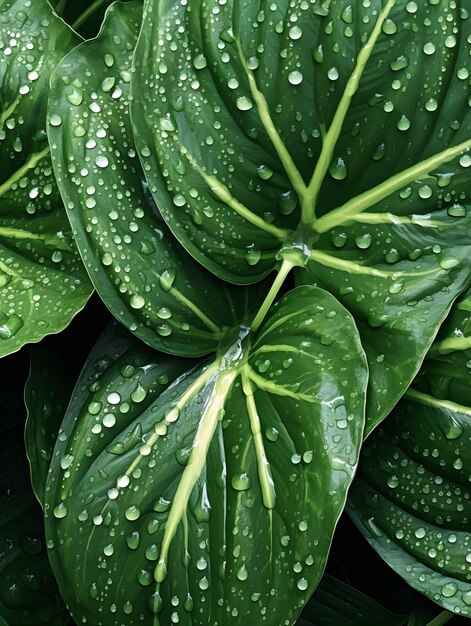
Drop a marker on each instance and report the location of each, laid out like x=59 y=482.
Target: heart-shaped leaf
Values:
x=335 y=129
x=42 y=281
x=412 y=496
x=144 y=276
x=212 y=486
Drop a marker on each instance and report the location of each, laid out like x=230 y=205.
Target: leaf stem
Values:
x=283 y=272
x=333 y=134
x=87 y=13
x=441 y=618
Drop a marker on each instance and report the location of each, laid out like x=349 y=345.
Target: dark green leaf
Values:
x=206 y=491
x=146 y=279
x=337 y=604
x=339 y=130
x=42 y=281
x=47 y=393
x=412 y=496
x=28 y=592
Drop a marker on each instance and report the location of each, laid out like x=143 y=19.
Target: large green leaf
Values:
x=144 y=276
x=336 y=129
x=43 y=283
x=412 y=496
x=211 y=492
x=47 y=393
x=28 y=592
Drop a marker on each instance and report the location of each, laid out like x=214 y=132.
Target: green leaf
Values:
x=208 y=486
x=28 y=591
x=337 y=604
x=411 y=498
x=334 y=131
x=42 y=281
x=144 y=276
x=47 y=393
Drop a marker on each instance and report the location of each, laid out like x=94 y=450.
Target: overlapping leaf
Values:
x=211 y=485
x=339 y=129
x=338 y=604
x=412 y=496
x=144 y=276
x=28 y=591
x=47 y=394
x=42 y=281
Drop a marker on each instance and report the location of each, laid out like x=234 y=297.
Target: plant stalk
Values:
x=442 y=618
x=283 y=272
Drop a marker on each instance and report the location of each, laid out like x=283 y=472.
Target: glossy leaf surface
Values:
x=206 y=491
x=412 y=497
x=28 y=592
x=144 y=276
x=42 y=281
x=338 y=130
x=47 y=394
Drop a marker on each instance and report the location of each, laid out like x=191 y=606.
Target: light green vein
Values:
x=390 y=218
x=57 y=240
x=333 y=134
x=436 y=403
x=366 y=200
x=267 y=348
x=8 y=112
x=174 y=414
x=204 y=435
x=279 y=322
x=264 y=472
x=192 y=306
x=264 y=112
x=222 y=192
x=452 y=344
x=275 y=389
x=24 y=169
x=355 y=268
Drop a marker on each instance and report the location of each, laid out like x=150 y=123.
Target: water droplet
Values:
x=101 y=161
x=363 y=241
x=403 y=123
x=333 y=73
x=137 y=301
x=132 y=513
x=241 y=482
x=244 y=104
x=60 y=511
x=400 y=63
x=55 y=120
x=167 y=279
x=338 y=169
x=295 y=77
x=449 y=589
x=295 y=33
x=264 y=172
